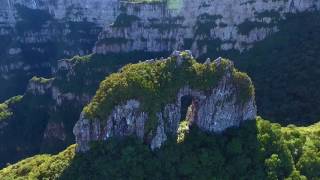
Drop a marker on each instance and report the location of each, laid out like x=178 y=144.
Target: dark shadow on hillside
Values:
x=285 y=69
x=235 y=154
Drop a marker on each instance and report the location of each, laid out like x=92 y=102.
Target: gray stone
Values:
x=208 y=61
x=157 y=28
x=146 y=35
x=160 y=136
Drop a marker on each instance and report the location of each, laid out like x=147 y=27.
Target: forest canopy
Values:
x=257 y=150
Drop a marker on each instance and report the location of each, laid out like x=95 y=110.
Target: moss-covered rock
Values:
x=144 y=100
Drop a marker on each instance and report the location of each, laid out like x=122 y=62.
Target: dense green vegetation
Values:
x=285 y=70
x=257 y=150
x=156 y=84
x=21 y=133
x=5 y=111
x=40 y=166
x=31 y=115
x=92 y=69
x=182 y=131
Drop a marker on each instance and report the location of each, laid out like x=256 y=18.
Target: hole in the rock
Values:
x=186 y=102
x=123 y=126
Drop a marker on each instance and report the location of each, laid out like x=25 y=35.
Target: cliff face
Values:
x=198 y=25
x=35 y=33
x=223 y=104
x=76 y=10
x=30 y=25
x=142 y=25
x=55 y=99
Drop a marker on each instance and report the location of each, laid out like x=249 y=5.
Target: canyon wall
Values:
x=34 y=34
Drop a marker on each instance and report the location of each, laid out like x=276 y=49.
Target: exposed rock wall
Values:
x=45 y=87
x=39 y=86
x=196 y=25
x=34 y=34
x=125 y=120
x=76 y=10
x=213 y=111
x=153 y=26
x=44 y=21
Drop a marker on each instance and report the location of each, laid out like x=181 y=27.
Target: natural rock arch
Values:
x=212 y=110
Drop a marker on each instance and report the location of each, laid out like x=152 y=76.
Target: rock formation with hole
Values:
x=214 y=110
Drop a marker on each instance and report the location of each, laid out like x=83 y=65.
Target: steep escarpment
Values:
x=201 y=26
x=148 y=100
x=34 y=34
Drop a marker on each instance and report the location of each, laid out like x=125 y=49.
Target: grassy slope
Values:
x=40 y=166
x=5 y=110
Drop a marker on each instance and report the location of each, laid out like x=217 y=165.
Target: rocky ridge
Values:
x=214 y=110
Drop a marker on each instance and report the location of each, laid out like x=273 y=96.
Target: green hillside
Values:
x=285 y=70
x=257 y=150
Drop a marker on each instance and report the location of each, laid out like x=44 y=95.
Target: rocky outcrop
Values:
x=54 y=100
x=39 y=86
x=214 y=110
x=125 y=120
